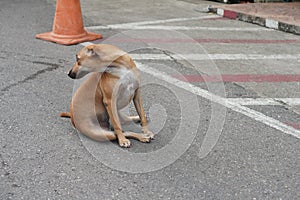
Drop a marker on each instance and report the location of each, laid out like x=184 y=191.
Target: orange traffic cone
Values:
x=68 y=25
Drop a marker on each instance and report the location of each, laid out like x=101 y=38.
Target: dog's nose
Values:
x=71 y=74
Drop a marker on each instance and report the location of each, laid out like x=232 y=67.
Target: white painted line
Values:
x=266 y=101
x=216 y=57
x=150 y=57
x=255 y=101
x=183 y=28
x=158 y=21
x=289 y=101
x=223 y=101
x=270 y=23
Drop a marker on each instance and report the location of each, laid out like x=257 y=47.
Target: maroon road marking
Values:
x=294 y=125
x=250 y=41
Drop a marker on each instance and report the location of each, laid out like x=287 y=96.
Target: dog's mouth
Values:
x=78 y=75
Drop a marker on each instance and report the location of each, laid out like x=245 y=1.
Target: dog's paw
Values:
x=145 y=138
x=147 y=132
x=150 y=135
x=124 y=143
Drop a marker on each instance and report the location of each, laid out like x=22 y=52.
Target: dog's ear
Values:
x=90 y=52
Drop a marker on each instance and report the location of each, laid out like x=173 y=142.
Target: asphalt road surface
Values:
x=222 y=97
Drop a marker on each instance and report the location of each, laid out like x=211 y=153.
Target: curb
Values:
x=269 y=23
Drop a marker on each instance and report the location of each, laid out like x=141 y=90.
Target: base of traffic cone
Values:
x=68 y=39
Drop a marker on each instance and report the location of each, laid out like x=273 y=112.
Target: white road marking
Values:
x=255 y=102
x=223 y=101
x=162 y=21
x=150 y=57
x=266 y=101
x=182 y=28
x=289 y=101
x=156 y=21
x=215 y=57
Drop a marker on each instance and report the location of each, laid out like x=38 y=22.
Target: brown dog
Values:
x=115 y=81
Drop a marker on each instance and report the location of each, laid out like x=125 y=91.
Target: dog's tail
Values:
x=65 y=114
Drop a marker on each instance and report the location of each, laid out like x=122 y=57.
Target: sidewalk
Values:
x=280 y=16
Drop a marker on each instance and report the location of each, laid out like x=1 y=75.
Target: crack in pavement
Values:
x=52 y=67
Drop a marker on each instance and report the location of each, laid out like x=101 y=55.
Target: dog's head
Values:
x=94 y=58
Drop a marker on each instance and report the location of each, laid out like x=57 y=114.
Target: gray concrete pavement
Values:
x=44 y=157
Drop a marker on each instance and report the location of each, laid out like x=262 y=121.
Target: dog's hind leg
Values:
x=128 y=119
x=99 y=134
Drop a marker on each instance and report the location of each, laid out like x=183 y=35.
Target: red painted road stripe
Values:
x=293 y=124
x=241 y=78
x=208 y=40
x=250 y=41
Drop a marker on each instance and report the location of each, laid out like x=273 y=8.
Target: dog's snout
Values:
x=71 y=74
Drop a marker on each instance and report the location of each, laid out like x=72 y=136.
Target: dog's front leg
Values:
x=111 y=107
x=137 y=100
